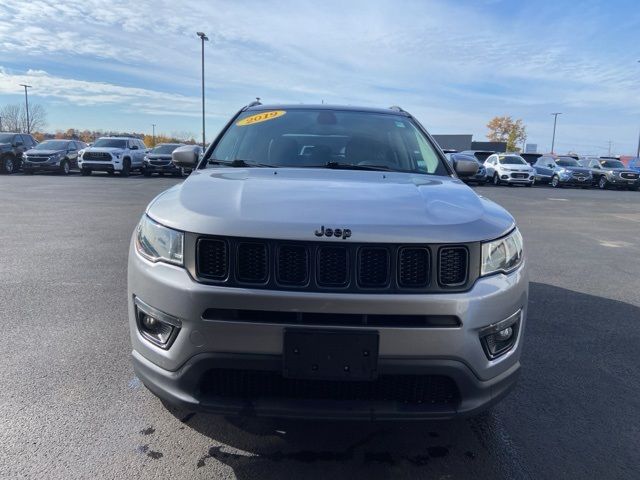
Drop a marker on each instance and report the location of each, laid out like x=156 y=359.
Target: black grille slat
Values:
x=453 y=266
x=373 y=267
x=332 y=267
x=256 y=384
x=253 y=262
x=293 y=265
x=414 y=266
x=629 y=175
x=213 y=259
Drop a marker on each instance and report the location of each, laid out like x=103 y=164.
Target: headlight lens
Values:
x=156 y=242
x=502 y=255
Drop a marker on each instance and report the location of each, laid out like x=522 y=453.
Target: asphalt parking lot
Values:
x=70 y=406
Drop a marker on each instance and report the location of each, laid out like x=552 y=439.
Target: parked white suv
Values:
x=113 y=154
x=509 y=168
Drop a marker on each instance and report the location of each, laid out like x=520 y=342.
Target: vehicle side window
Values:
x=72 y=146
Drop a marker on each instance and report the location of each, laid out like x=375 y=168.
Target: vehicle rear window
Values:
x=315 y=137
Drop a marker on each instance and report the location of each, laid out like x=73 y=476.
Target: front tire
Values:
x=555 y=182
x=496 y=179
x=8 y=165
x=126 y=169
x=602 y=183
x=65 y=168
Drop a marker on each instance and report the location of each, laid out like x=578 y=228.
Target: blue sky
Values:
x=125 y=65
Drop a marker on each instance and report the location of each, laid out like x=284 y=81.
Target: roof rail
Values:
x=396 y=108
x=254 y=103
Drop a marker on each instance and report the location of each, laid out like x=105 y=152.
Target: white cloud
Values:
x=458 y=64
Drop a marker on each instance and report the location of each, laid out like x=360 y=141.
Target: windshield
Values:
x=567 y=162
x=110 y=143
x=52 y=145
x=612 y=164
x=167 y=148
x=6 y=137
x=323 y=138
x=512 y=160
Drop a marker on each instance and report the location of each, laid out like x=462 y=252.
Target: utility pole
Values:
x=0 y=124
x=154 y=134
x=204 y=38
x=638 y=150
x=555 y=120
x=26 y=101
x=609 y=154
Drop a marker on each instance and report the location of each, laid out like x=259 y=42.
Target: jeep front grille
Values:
x=331 y=266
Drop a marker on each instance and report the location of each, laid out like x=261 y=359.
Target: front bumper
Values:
x=176 y=374
x=518 y=179
x=619 y=181
x=170 y=168
x=48 y=166
x=585 y=182
x=100 y=166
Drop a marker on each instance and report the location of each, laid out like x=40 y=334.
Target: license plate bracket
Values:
x=330 y=354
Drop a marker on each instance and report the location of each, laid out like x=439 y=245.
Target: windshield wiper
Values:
x=353 y=166
x=239 y=163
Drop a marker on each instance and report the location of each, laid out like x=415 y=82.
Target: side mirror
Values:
x=465 y=168
x=185 y=156
x=18 y=144
x=134 y=147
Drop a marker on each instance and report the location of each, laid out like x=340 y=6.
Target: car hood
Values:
x=43 y=153
x=294 y=203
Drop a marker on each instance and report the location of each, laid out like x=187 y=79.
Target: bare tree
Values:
x=11 y=118
x=14 y=118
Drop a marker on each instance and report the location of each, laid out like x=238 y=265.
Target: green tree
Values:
x=506 y=129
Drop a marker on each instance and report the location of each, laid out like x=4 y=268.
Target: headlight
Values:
x=156 y=242
x=145 y=159
x=55 y=156
x=80 y=153
x=116 y=155
x=502 y=255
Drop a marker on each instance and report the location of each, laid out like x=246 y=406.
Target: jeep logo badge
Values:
x=343 y=233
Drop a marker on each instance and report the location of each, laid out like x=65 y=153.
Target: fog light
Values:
x=504 y=177
x=499 y=338
x=155 y=326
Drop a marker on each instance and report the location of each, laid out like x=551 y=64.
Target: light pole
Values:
x=154 y=134
x=638 y=150
x=204 y=38
x=26 y=101
x=555 y=120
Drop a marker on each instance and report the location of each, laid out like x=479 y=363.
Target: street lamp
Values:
x=26 y=101
x=555 y=120
x=204 y=38
x=154 y=134
x=638 y=150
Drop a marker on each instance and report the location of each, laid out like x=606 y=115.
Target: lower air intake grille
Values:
x=253 y=262
x=453 y=266
x=406 y=389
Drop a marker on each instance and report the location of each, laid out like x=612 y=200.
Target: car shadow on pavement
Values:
x=576 y=400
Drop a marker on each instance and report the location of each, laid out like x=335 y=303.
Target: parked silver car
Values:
x=326 y=262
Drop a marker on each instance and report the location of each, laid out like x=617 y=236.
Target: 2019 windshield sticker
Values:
x=260 y=117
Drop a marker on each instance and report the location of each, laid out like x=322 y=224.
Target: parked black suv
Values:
x=52 y=156
x=159 y=161
x=611 y=173
x=12 y=146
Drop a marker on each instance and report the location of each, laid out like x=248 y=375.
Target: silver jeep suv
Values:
x=326 y=262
